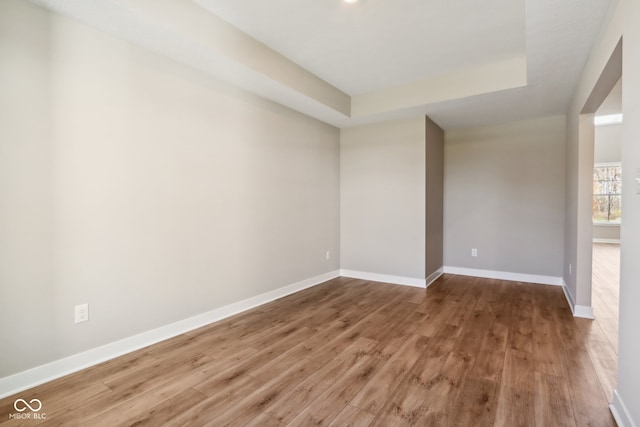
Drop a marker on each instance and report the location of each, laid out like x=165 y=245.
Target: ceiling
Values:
x=375 y=44
x=462 y=62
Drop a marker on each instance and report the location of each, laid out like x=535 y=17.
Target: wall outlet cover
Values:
x=82 y=313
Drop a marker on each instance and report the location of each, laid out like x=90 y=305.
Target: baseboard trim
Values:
x=41 y=374
x=505 y=275
x=385 y=278
x=619 y=411
x=577 y=310
x=433 y=277
x=612 y=241
x=583 y=311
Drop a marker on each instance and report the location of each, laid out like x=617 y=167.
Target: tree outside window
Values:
x=607 y=193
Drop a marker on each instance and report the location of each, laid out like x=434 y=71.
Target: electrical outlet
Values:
x=474 y=252
x=328 y=255
x=82 y=313
x=569 y=269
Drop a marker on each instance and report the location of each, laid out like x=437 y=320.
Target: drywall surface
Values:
x=382 y=198
x=629 y=346
x=580 y=158
x=606 y=232
x=143 y=188
x=608 y=144
x=435 y=197
x=504 y=196
x=27 y=322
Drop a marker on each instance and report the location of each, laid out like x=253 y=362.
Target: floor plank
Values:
x=606 y=289
x=376 y=392
x=352 y=417
x=603 y=335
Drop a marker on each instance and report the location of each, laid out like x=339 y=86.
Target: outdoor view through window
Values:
x=607 y=191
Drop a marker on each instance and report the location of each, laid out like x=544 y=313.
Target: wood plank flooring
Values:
x=606 y=289
x=605 y=301
x=465 y=352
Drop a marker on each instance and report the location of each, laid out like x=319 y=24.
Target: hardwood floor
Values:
x=606 y=289
x=465 y=352
x=605 y=302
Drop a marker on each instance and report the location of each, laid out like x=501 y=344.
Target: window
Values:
x=607 y=193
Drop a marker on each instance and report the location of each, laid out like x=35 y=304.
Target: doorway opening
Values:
x=599 y=214
x=607 y=219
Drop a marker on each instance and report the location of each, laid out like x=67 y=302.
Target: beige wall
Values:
x=504 y=195
x=435 y=197
x=382 y=198
x=143 y=188
x=27 y=321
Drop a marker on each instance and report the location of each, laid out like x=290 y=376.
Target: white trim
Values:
x=619 y=411
x=385 y=278
x=606 y=224
x=582 y=311
x=30 y=378
x=434 y=276
x=611 y=241
x=505 y=275
x=568 y=296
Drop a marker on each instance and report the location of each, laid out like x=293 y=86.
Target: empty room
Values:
x=333 y=213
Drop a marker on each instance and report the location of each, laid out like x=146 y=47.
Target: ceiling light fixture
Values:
x=351 y=1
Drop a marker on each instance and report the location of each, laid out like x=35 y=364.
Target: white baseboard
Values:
x=583 y=311
x=578 y=310
x=620 y=412
x=612 y=241
x=385 y=278
x=505 y=275
x=41 y=374
x=434 y=276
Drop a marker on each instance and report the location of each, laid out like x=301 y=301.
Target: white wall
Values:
x=608 y=144
x=504 y=195
x=606 y=233
x=144 y=189
x=382 y=198
x=628 y=388
x=622 y=21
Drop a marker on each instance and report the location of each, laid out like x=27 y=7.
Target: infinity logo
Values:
x=26 y=405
